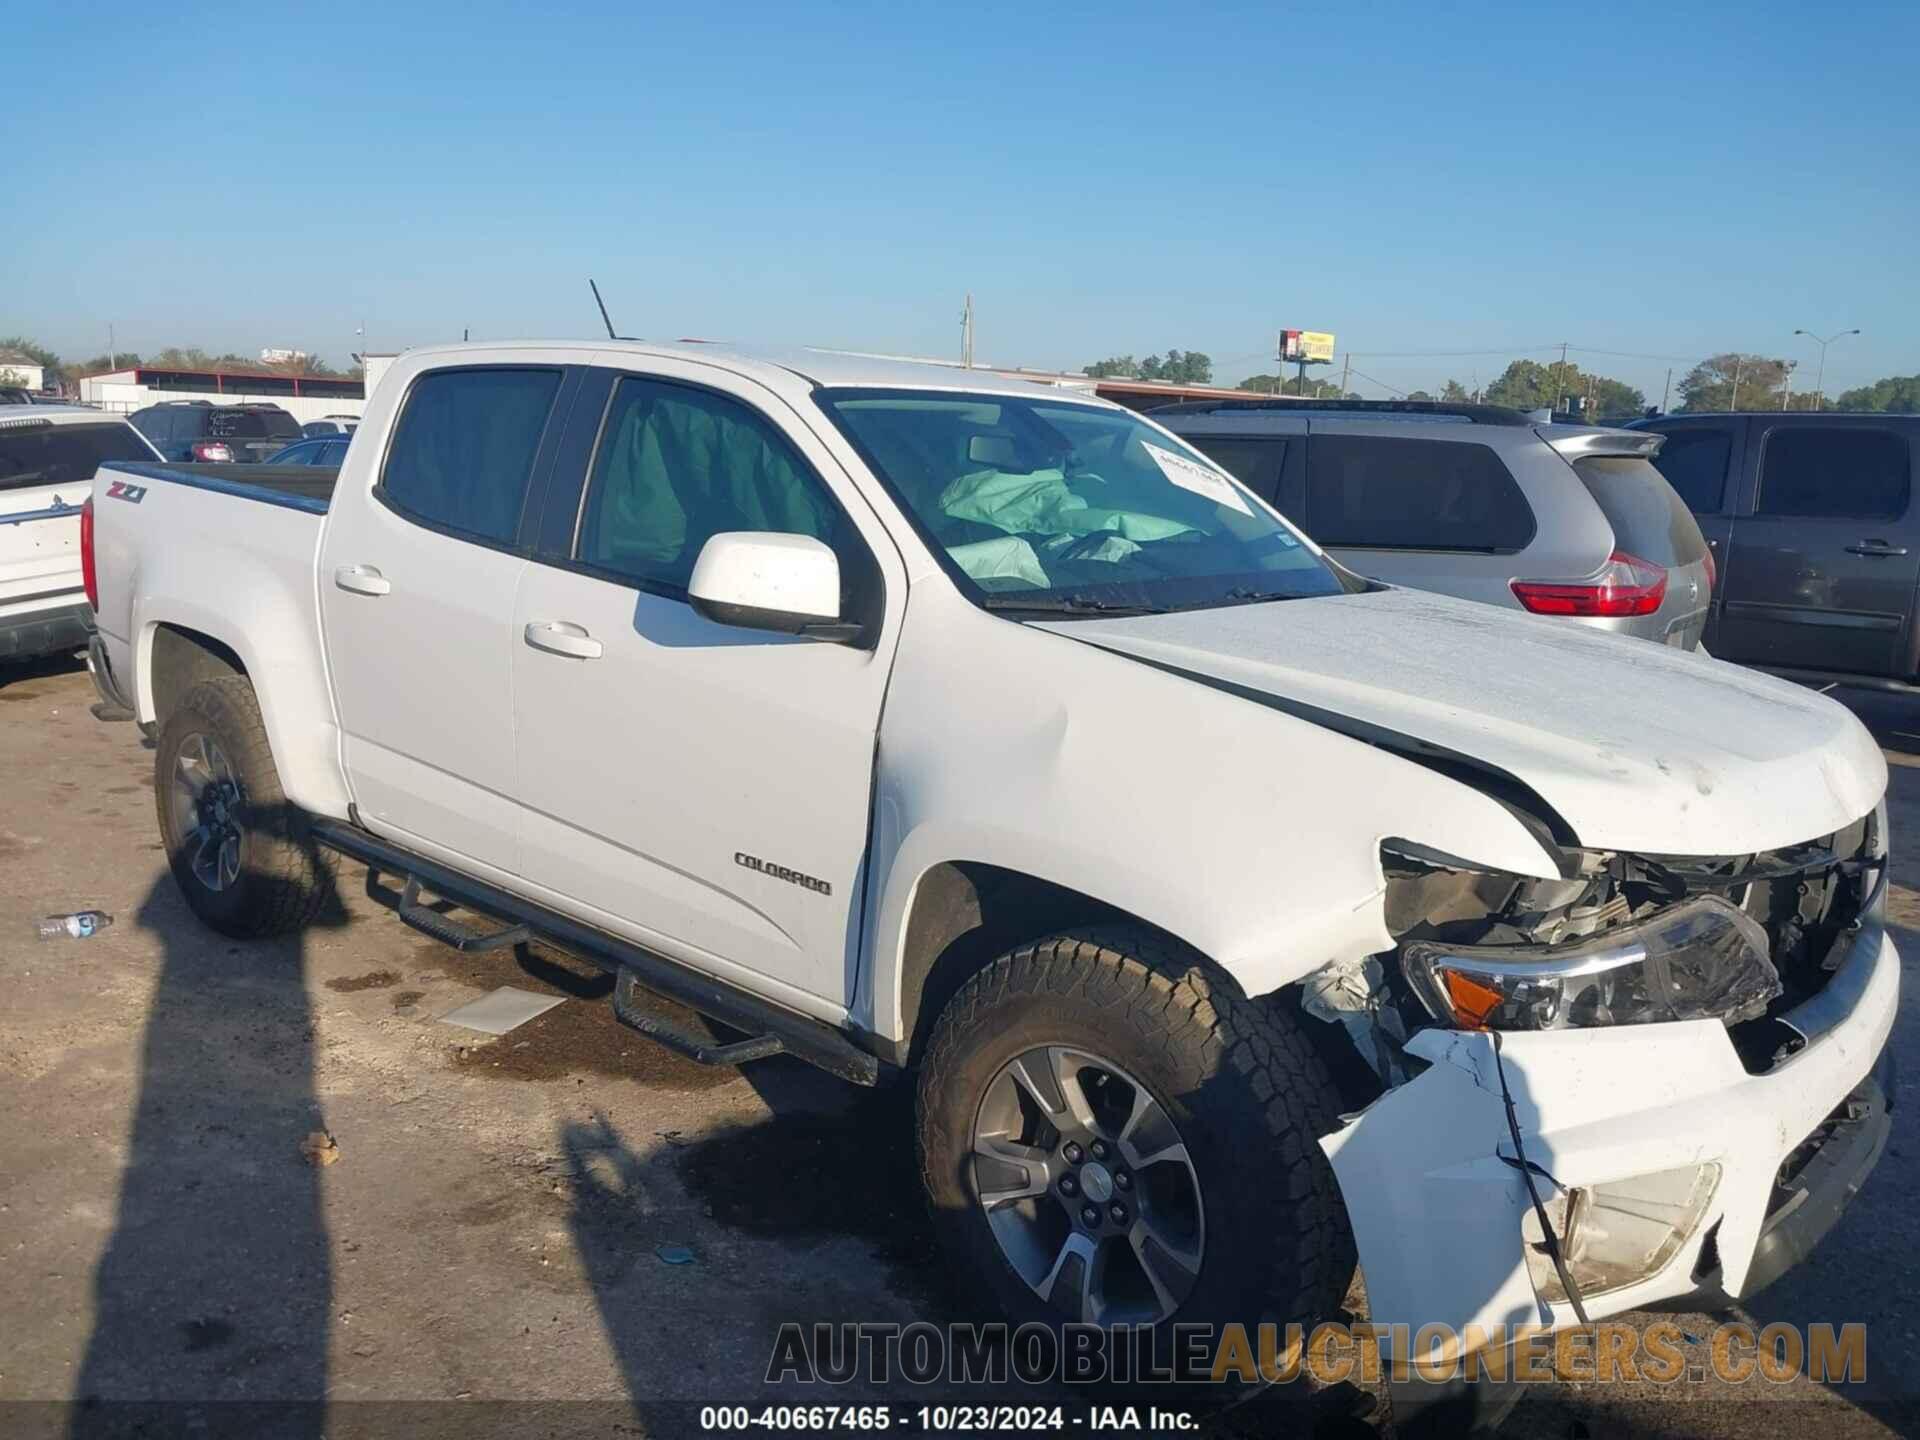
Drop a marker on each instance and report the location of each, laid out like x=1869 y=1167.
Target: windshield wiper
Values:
x=1245 y=596
x=1065 y=605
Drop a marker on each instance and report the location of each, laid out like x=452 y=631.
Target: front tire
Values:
x=1110 y=1134
x=239 y=852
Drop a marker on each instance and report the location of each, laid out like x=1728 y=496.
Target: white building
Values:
x=305 y=397
x=17 y=369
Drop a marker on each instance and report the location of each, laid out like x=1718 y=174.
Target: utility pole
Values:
x=966 y=333
x=1346 y=370
x=1820 y=376
x=1279 y=364
x=1733 y=400
x=1559 y=379
x=1786 y=394
x=113 y=357
x=1666 y=390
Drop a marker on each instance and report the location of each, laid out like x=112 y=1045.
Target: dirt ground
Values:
x=501 y=1225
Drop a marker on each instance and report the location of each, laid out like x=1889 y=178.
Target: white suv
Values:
x=47 y=459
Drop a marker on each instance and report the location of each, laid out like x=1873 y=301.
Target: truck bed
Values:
x=305 y=487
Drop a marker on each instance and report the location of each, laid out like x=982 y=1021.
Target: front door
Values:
x=700 y=788
x=417 y=582
x=1821 y=575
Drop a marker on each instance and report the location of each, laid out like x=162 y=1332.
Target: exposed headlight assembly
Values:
x=1698 y=960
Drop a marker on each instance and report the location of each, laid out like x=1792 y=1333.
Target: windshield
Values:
x=1045 y=505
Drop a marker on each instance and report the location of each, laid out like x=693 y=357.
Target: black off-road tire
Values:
x=284 y=880
x=1244 y=1086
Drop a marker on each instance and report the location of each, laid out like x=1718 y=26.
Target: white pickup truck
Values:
x=1228 y=910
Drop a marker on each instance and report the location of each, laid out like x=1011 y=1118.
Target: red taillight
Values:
x=89 y=577
x=1626 y=585
x=212 y=451
x=1713 y=571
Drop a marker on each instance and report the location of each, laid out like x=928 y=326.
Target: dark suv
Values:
x=1812 y=519
x=195 y=430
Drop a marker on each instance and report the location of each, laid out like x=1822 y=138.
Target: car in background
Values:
x=1811 y=516
x=47 y=459
x=330 y=425
x=1474 y=501
x=327 y=450
x=197 y=430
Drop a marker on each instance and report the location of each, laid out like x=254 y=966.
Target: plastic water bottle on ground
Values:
x=81 y=925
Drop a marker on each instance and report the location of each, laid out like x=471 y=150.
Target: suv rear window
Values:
x=1835 y=470
x=1387 y=493
x=1255 y=463
x=235 y=424
x=1648 y=519
x=63 y=454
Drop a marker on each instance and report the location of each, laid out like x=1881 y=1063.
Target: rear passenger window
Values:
x=679 y=465
x=1694 y=460
x=1374 y=493
x=1254 y=463
x=462 y=454
x=1834 y=470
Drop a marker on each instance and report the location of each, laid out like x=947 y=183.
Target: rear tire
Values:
x=240 y=853
x=1232 y=1089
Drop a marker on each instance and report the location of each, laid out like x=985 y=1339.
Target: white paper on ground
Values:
x=503 y=1010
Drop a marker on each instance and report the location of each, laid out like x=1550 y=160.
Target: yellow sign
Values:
x=1316 y=345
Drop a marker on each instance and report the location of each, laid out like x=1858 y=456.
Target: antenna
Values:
x=603 y=309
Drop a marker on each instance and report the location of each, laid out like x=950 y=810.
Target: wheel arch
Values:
x=964 y=913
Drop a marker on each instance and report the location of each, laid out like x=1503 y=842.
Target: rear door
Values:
x=1821 y=574
x=1701 y=460
x=46 y=472
x=417 y=580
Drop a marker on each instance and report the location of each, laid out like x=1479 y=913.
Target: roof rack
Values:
x=1474 y=414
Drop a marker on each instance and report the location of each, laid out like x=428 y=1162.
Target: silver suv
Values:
x=1475 y=501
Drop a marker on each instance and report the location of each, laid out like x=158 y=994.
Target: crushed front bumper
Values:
x=1437 y=1204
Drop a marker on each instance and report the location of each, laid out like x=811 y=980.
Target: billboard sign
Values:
x=1308 y=347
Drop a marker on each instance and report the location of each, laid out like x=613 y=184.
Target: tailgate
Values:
x=40 y=547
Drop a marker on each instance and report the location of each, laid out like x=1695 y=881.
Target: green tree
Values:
x=119 y=360
x=1530 y=385
x=1454 y=393
x=1710 y=385
x=1189 y=367
x=1421 y=396
x=1117 y=367
x=1895 y=395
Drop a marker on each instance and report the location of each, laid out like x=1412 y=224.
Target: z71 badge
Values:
x=123 y=490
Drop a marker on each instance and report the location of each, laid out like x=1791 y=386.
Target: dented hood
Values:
x=1635 y=745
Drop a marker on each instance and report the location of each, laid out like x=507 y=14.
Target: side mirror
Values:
x=759 y=580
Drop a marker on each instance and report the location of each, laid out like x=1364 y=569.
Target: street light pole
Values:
x=1820 y=375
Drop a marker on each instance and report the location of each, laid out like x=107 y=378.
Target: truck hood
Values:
x=1634 y=745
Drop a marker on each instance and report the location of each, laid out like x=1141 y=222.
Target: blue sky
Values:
x=1667 y=181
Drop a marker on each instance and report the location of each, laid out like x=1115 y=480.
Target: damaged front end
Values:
x=1649 y=1040
x=1619 y=939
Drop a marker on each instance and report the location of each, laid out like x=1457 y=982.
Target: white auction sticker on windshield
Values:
x=1200 y=479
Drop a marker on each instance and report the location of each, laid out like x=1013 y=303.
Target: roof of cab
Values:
x=816 y=366
x=58 y=414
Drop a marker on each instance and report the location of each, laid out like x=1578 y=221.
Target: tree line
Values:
x=1731 y=381
x=173 y=357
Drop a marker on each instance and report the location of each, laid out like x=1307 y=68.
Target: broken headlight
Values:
x=1701 y=959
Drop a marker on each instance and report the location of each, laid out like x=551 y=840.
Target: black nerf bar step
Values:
x=834 y=1050
x=429 y=921
x=631 y=1008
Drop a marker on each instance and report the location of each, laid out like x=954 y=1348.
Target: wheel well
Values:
x=964 y=916
x=181 y=659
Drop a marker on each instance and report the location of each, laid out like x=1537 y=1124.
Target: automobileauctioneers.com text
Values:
x=1612 y=1351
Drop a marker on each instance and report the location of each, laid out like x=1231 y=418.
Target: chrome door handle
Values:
x=1876 y=547
x=561 y=637
x=362 y=580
